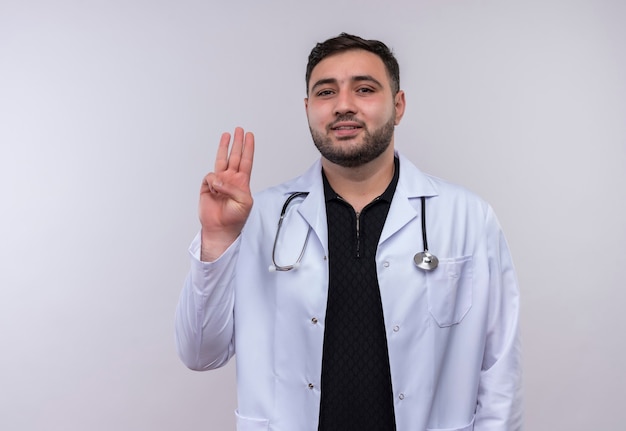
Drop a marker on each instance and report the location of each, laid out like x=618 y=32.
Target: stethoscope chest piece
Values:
x=426 y=261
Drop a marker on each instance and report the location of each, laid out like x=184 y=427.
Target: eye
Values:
x=324 y=93
x=365 y=90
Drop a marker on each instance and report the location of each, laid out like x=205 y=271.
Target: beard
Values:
x=373 y=145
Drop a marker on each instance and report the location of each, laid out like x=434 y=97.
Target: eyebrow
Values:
x=356 y=78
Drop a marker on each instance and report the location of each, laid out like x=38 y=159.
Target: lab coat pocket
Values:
x=468 y=427
x=449 y=289
x=251 y=424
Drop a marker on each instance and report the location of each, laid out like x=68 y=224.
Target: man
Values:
x=351 y=328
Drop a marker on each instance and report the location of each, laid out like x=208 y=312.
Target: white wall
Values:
x=110 y=112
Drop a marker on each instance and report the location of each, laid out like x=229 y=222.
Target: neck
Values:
x=360 y=185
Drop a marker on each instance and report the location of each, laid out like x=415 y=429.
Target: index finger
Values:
x=221 y=159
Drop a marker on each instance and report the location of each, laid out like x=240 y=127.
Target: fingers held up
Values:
x=241 y=154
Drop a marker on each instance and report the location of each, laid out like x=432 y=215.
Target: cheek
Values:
x=378 y=115
x=316 y=117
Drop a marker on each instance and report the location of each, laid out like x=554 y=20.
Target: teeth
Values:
x=345 y=128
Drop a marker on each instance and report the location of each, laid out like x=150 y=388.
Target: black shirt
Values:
x=356 y=392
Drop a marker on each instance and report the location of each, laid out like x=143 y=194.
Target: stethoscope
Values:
x=423 y=260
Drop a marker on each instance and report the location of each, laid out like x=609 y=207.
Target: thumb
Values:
x=233 y=192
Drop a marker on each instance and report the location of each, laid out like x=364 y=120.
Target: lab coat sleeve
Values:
x=204 y=324
x=500 y=396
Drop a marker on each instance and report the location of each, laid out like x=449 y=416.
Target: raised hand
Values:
x=225 y=198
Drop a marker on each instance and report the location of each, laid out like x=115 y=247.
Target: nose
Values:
x=345 y=103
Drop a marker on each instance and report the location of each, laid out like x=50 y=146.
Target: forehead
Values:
x=345 y=65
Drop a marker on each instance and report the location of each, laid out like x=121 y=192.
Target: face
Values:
x=351 y=109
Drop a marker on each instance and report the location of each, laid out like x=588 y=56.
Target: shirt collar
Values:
x=386 y=196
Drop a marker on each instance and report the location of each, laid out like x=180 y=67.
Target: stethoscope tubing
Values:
x=283 y=212
x=423 y=260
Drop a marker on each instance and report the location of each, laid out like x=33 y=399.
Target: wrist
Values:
x=213 y=245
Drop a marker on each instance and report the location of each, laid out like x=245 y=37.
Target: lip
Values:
x=344 y=129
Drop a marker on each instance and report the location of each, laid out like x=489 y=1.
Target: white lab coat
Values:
x=452 y=333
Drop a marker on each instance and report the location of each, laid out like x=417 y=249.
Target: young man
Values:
x=355 y=325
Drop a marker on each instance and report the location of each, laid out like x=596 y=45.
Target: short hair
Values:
x=347 y=42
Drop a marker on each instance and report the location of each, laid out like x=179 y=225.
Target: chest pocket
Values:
x=449 y=289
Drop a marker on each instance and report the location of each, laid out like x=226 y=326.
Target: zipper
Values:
x=358 y=222
x=358 y=234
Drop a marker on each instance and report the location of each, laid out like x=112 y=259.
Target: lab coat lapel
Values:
x=412 y=184
x=313 y=207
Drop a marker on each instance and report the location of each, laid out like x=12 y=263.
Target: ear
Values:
x=306 y=106
x=399 y=105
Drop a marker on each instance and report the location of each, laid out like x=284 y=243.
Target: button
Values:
x=386 y=264
x=311 y=386
x=314 y=320
x=396 y=328
x=325 y=258
x=401 y=396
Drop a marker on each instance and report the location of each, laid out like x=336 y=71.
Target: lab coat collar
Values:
x=412 y=184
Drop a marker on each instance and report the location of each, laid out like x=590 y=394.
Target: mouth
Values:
x=346 y=129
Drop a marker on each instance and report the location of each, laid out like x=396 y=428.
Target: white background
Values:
x=110 y=113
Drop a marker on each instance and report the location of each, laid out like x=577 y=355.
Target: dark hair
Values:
x=347 y=42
